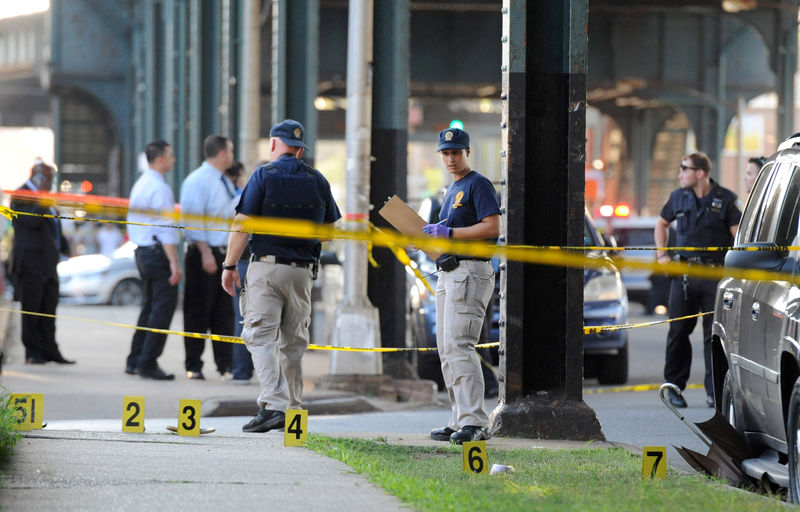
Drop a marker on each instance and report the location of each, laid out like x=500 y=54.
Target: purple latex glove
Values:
x=436 y=230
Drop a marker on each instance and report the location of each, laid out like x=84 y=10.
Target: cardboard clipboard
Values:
x=405 y=220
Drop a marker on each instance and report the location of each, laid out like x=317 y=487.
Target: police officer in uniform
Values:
x=276 y=296
x=464 y=288
x=706 y=215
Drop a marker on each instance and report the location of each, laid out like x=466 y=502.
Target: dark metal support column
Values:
x=787 y=67
x=386 y=286
x=544 y=124
x=295 y=64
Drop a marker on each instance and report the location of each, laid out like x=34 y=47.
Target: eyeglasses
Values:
x=684 y=167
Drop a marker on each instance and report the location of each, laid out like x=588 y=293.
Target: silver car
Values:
x=98 y=279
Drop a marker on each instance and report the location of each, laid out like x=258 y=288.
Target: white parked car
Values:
x=98 y=279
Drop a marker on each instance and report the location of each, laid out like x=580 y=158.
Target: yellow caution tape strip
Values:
x=635 y=388
x=610 y=328
x=235 y=339
x=525 y=254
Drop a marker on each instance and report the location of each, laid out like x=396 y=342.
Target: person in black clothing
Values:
x=38 y=241
x=706 y=215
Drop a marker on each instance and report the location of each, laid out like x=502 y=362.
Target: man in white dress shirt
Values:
x=207 y=192
x=156 y=258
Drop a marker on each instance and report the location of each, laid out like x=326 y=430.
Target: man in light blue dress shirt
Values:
x=156 y=258
x=207 y=193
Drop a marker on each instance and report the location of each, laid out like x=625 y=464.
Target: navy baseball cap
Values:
x=290 y=132
x=453 y=138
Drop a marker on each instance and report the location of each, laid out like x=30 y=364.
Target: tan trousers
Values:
x=461 y=299
x=276 y=307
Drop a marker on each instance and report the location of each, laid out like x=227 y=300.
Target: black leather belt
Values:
x=270 y=258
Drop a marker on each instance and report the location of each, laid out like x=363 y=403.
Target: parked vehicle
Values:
x=605 y=303
x=98 y=279
x=756 y=330
x=649 y=289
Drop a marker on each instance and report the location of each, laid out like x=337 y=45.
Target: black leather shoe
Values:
x=130 y=370
x=35 y=360
x=441 y=434
x=60 y=360
x=156 y=374
x=265 y=420
x=198 y=375
x=469 y=433
x=676 y=400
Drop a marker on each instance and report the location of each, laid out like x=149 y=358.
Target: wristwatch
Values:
x=228 y=267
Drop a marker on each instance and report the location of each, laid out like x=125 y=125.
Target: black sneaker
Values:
x=441 y=434
x=469 y=433
x=676 y=400
x=265 y=420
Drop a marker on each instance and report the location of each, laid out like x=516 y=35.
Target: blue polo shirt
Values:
x=468 y=201
x=288 y=188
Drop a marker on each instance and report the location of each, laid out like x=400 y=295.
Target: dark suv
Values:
x=756 y=332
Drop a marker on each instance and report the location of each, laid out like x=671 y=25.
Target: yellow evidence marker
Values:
x=654 y=462
x=473 y=457
x=189 y=418
x=28 y=410
x=133 y=414
x=296 y=427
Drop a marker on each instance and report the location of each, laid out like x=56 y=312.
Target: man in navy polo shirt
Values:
x=276 y=297
x=464 y=288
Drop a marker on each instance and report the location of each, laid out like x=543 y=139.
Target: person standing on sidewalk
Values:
x=38 y=241
x=276 y=296
x=242 y=361
x=706 y=215
x=157 y=260
x=207 y=192
x=469 y=212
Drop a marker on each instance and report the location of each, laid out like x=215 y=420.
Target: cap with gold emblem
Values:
x=453 y=138
x=290 y=132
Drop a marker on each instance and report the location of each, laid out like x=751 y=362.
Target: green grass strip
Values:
x=8 y=435
x=597 y=479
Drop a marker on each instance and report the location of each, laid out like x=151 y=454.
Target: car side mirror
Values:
x=757 y=260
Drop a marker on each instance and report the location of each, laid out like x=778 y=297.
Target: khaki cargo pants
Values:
x=276 y=308
x=461 y=299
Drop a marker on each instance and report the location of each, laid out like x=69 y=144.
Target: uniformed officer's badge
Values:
x=297 y=132
x=448 y=136
x=716 y=204
x=459 y=196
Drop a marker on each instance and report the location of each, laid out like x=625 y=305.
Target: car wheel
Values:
x=614 y=369
x=728 y=405
x=128 y=292
x=792 y=435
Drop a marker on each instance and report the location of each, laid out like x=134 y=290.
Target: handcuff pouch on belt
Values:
x=448 y=264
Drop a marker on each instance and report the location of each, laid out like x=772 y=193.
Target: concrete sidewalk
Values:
x=82 y=461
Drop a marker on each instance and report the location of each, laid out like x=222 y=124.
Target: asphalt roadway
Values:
x=82 y=461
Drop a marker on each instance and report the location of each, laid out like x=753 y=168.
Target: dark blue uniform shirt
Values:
x=703 y=222
x=292 y=189
x=468 y=201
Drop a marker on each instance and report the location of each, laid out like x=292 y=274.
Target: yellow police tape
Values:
x=610 y=328
x=235 y=339
x=542 y=255
x=636 y=387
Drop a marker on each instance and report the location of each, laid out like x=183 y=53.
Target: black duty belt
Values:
x=698 y=260
x=271 y=258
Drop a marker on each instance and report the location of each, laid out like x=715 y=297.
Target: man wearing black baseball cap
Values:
x=464 y=288
x=276 y=299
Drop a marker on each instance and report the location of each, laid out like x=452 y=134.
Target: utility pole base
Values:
x=546 y=417
x=357 y=327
